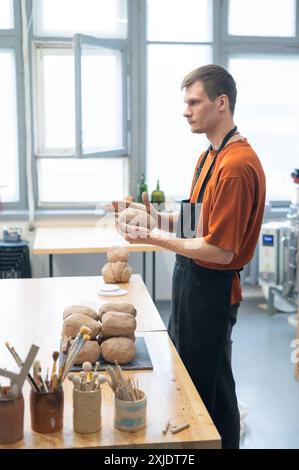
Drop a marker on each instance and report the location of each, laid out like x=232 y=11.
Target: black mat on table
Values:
x=142 y=359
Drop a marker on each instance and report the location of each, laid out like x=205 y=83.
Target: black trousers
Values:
x=225 y=414
x=200 y=326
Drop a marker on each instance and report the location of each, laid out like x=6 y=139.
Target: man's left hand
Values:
x=136 y=234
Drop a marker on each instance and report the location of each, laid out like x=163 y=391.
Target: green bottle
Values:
x=158 y=196
x=141 y=188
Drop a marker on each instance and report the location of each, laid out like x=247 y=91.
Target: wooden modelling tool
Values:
x=19 y=379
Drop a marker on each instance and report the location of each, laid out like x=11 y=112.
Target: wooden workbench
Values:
x=31 y=311
x=79 y=240
x=37 y=304
x=297 y=345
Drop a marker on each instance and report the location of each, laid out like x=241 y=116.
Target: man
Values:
x=229 y=184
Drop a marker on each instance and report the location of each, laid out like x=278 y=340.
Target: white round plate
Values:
x=115 y=293
x=109 y=287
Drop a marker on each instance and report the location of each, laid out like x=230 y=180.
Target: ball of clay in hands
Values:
x=117 y=253
x=83 y=309
x=137 y=218
x=117 y=307
x=73 y=323
x=118 y=324
x=118 y=349
x=116 y=272
x=89 y=353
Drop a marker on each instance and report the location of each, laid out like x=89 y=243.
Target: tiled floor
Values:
x=264 y=374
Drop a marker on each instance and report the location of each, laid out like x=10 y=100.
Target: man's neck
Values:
x=217 y=134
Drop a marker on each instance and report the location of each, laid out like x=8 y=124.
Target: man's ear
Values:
x=223 y=102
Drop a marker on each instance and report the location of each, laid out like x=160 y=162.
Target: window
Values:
x=172 y=53
x=181 y=21
x=83 y=180
x=102 y=18
x=80 y=100
x=266 y=71
x=55 y=118
x=268 y=112
x=6 y=14
x=99 y=81
x=262 y=18
x=9 y=177
x=257 y=41
x=104 y=81
x=171 y=148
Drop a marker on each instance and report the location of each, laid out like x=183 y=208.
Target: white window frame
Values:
x=124 y=154
x=10 y=39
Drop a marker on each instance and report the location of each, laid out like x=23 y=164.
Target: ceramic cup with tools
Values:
x=87 y=411
x=11 y=417
x=46 y=410
x=130 y=415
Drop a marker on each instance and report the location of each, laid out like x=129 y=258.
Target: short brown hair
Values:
x=216 y=81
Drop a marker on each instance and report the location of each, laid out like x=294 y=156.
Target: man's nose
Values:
x=187 y=112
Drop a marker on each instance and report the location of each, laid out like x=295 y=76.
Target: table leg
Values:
x=50 y=265
x=144 y=266
x=154 y=276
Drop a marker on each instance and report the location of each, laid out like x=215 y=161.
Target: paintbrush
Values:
x=20 y=363
x=64 y=349
x=76 y=347
x=43 y=382
x=53 y=381
x=114 y=382
x=36 y=376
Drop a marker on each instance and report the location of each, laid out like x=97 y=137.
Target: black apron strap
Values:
x=210 y=170
x=200 y=167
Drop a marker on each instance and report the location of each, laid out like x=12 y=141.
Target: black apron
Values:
x=201 y=323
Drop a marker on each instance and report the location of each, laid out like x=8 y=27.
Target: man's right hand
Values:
x=119 y=206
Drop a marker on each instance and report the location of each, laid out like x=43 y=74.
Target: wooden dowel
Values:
x=180 y=428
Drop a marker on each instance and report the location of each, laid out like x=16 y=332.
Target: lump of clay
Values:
x=137 y=217
x=116 y=272
x=117 y=307
x=118 y=324
x=73 y=323
x=117 y=253
x=118 y=349
x=89 y=353
x=80 y=309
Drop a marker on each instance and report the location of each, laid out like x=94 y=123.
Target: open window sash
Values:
x=100 y=89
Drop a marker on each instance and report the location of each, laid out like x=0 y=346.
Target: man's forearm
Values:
x=168 y=222
x=194 y=248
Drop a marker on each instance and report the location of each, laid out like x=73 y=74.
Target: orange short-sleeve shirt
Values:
x=233 y=206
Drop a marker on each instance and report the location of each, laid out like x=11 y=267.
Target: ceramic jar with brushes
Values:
x=87 y=399
x=46 y=404
x=11 y=398
x=46 y=410
x=11 y=415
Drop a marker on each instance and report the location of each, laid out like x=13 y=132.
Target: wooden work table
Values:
x=31 y=311
x=79 y=240
x=37 y=304
x=297 y=345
